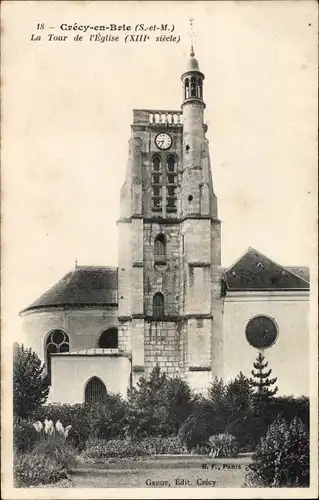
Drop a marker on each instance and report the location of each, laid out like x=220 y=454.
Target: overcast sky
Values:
x=67 y=110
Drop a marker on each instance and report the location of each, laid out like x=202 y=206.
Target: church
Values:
x=169 y=301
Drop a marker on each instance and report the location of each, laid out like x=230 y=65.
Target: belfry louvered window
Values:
x=156 y=184
x=95 y=390
x=158 y=306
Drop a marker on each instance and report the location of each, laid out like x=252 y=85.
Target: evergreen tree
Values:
x=263 y=388
x=30 y=382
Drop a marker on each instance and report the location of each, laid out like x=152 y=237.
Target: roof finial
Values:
x=192 y=35
x=76 y=263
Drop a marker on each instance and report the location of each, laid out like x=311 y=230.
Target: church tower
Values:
x=169 y=291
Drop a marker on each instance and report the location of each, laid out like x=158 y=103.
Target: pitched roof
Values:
x=84 y=286
x=254 y=271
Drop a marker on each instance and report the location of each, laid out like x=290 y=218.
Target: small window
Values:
x=158 y=305
x=171 y=191
x=95 y=391
x=171 y=178
x=157 y=202
x=156 y=179
x=109 y=339
x=171 y=202
x=157 y=191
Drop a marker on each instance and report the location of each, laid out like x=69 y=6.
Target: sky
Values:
x=67 y=111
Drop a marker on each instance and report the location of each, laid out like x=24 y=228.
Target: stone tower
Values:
x=169 y=243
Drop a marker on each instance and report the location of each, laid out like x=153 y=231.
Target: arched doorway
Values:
x=95 y=390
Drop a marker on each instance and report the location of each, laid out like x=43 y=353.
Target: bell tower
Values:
x=169 y=243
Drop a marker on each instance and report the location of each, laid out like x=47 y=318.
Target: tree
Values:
x=262 y=385
x=158 y=405
x=261 y=381
x=30 y=382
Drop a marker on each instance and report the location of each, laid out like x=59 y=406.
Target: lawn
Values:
x=164 y=472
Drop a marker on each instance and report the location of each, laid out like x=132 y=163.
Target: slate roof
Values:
x=256 y=272
x=84 y=286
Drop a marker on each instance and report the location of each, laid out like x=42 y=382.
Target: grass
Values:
x=164 y=472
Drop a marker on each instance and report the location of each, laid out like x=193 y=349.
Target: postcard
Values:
x=159 y=244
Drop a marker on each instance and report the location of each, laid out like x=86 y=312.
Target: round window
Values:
x=261 y=332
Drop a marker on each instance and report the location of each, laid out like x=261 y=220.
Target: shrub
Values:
x=97 y=449
x=248 y=429
x=193 y=433
x=32 y=470
x=223 y=446
x=282 y=457
x=24 y=435
x=77 y=415
x=290 y=407
x=30 y=383
x=158 y=405
x=104 y=420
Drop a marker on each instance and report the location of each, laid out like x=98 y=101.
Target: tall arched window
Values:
x=193 y=87
x=156 y=164
x=109 y=339
x=160 y=245
x=95 y=390
x=57 y=341
x=156 y=184
x=171 y=163
x=186 y=88
x=158 y=305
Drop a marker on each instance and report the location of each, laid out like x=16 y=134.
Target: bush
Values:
x=32 y=470
x=104 y=420
x=248 y=429
x=30 y=383
x=290 y=407
x=97 y=449
x=24 y=435
x=158 y=405
x=223 y=446
x=282 y=457
x=77 y=415
x=193 y=433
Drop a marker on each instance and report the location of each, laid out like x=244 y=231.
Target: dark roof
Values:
x=84 y=286
x=301 y=271
x=255 y=271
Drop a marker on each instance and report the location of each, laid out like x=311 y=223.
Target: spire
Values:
x=191 y=35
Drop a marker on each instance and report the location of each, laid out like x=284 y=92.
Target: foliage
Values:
x=289 y=407
x=108 y=419
x=193 y=433
x=31 y=470
x=76 y=415
x=24 y=435
x=98 y=449
x=223 y=446
x=225 y=402
x=248 y=429
x=158 y=405
x=261 y=381
x=282 y=457
x=52 y=442
x=30 y=383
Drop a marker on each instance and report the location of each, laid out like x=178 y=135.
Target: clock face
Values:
x=163 y=141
